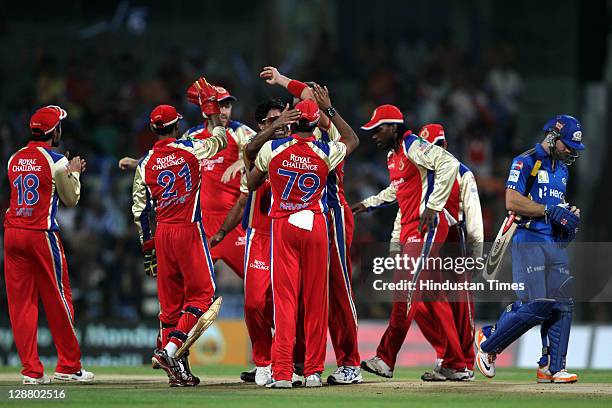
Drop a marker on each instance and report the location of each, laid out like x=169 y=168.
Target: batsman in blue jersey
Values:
x=535 y=191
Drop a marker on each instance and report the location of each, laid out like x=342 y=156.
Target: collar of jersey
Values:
x=540 y=152
x=165 y=142
x=34 y=143
x=310 y=138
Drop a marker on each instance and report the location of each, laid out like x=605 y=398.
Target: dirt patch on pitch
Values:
x=496 y=387
x=154 y=381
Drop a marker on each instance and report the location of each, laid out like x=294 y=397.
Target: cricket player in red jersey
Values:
x=273 y=118
x=343 y=314
x=221 y=180
x=422 y=177
x=298 y=167
x=168 y=181
x=34 y=262
x=463 y=205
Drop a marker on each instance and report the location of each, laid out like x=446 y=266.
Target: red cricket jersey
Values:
x=168 y=180
x=221 y=190
x=34 y=198
x=298 y=169
x=335 y=180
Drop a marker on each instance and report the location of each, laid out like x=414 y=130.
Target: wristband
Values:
x=295 y=88
x=148 y=245
x=330 y=112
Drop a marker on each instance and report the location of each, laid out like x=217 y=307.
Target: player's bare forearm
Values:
x=255 y=179
x=254 y=146
x=519 y=204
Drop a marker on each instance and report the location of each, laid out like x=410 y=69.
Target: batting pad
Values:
x=203 y=323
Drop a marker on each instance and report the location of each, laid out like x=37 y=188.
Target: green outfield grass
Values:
x=141 y=386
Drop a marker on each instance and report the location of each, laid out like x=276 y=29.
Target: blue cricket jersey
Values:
x=548 y=188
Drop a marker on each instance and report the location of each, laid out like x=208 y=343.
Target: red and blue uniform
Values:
x=298 y=169
x=168 y=180
x=34 y=262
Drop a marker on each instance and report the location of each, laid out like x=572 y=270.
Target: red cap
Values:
x=309 y=110
x=46 y=119
x=224 y=95
x=164 y=115
x=433 y=133
x=384 y=114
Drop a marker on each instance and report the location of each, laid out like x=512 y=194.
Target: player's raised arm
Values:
x=296 y=88
x=347 y=134
x=209 y=105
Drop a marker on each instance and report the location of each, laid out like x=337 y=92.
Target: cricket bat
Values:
x=506 y=232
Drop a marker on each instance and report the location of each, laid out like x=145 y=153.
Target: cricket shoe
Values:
x=485 y=361
x=470 y=375
x=187 y=377
x=560 y=377
x=82 y=376
x=345 y=375
x=248 y=376
x=454 y=375
x=297 y=378
x=376 y=366
x=435 y=374
x=171 y=366
x=263 y=375
x=45 y=379
x=280 y=384
x=314 y=380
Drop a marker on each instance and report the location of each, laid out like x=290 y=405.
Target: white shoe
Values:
x=376 y=366
x=82 y=376
x=345 y=375
x=560 y=377
x=485 y=361
x=454 y=375
x=297 y=380
x=280 y=384
x=263 y=375
x=314 y=380
x=35 y=381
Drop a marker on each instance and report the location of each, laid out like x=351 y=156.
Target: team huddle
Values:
x=271 y=205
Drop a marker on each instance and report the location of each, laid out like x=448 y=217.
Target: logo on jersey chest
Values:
x=300 y=162
x=26 y=165
x=543 y=177
x=167 y=161
x=550 y=192
x=209 y=164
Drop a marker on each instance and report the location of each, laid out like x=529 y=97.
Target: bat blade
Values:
x=500 y=245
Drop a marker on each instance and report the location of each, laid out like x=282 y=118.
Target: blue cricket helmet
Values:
x=569 y=128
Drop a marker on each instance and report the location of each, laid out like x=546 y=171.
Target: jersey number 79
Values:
x=308 y=183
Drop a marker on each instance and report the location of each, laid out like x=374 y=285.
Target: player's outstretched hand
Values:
x=76 y=164
x=207 y=97
x=271 y=75
x=321 y=95
x=286 y=117
x=358 y=208
x=128 y=163
x=217 y=238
